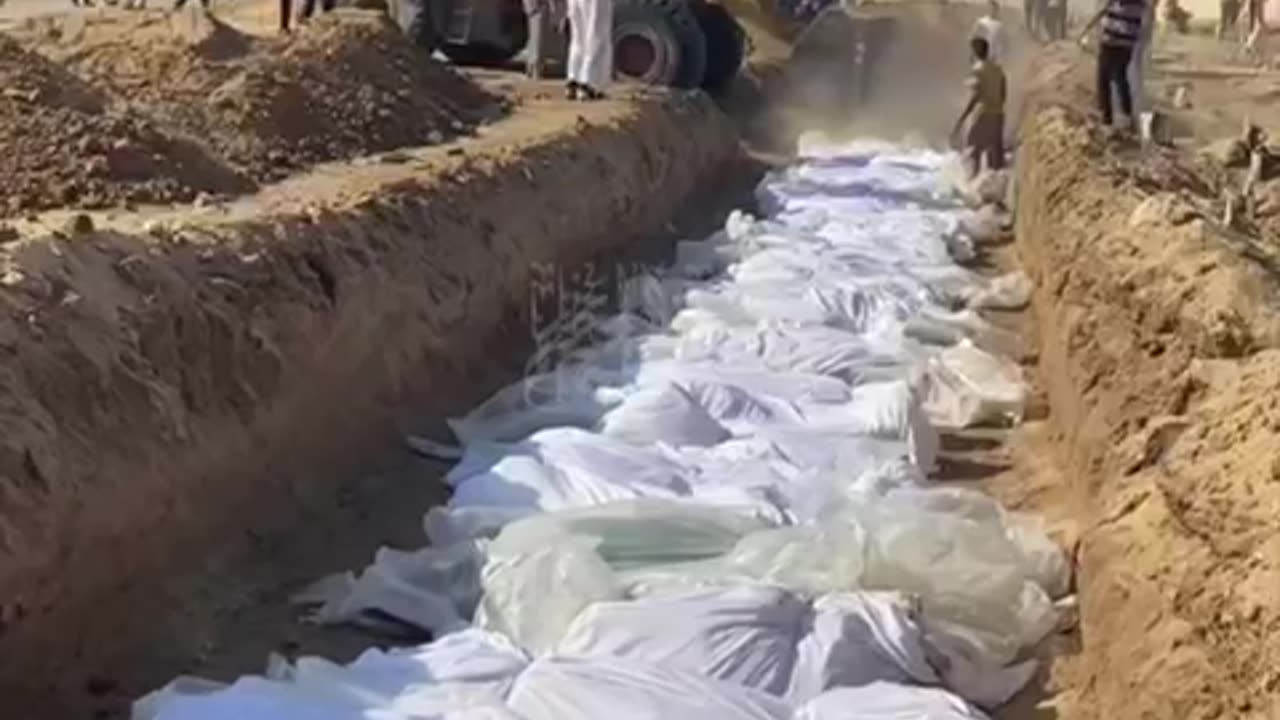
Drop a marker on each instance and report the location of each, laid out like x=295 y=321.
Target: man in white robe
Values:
x=590 y=67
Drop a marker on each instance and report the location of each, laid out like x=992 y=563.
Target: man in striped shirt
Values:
x=1121 y=30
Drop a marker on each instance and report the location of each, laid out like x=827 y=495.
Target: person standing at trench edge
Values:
x=1032 y=10
x=988 y=90
x=1121 y=31
x=308 y=9
x=590 y=62
x=990 y=28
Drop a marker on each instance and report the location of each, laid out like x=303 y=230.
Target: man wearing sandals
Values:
x=988 y=91
x=590 y=66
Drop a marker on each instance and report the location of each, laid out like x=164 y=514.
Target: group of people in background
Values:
x=1230 y=12
x=1045 y=18
x=1123 y=53
x=286 y=8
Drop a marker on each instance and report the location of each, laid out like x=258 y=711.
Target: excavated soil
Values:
x=180 y=382
x=160 y=107
x=1159 y=350
x=62 y=147
x=169 y=374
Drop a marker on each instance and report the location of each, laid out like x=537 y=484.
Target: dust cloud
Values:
x=893 y=71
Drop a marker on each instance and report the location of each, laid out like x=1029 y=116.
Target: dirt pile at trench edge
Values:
x=1159 y=346
x=59 y=146
x=182 y=104
x=161 y=390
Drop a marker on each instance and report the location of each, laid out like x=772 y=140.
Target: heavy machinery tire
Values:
x=416 y=21
x=659 y=42
x=726 y=44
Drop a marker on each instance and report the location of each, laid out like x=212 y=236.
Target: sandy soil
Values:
x=170 y=469
x=159 y=396
x=1020 y=467
x=1151 y=454
x=161 y=108
x=1156 y=345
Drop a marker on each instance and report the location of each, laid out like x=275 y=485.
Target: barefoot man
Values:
x=986 y=105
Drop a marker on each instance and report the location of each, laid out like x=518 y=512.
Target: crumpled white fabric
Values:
x=594 y=688
x=663 y=413
x=888 y=701
x=745 y=635
x=533 y=596
x=433 y=589
x=722 y=509
x=858 y=639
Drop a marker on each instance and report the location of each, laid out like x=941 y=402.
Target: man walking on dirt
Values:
x=986 y=105
x=590 y=64
x=1121 y=32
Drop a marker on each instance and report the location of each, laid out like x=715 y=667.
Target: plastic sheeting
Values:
x=594 y=688
x=723 y=509
x=745 y=635
x=887 y=701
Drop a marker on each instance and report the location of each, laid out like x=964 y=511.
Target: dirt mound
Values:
x=61 y=145
x=349 y=84
x=164 y=393
x=1159 y=350
x=347 y=87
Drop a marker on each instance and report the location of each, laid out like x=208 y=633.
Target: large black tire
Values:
x=416 y=20
x=726 y=44
x=672 y=29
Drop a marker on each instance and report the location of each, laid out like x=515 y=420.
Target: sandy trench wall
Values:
x=1159 y=344
x=157 y=387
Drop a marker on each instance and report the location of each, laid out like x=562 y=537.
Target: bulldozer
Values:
x=676 y=43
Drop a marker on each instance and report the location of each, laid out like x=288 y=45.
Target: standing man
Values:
x=1254 y=16
x=1121 y=31
x=543 y=16
x=989 y=28
x=1142 y=57
x=1055 y=19
x=590 y=65
x=1032 y=11
x=1228 y=11
x=986 y=104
